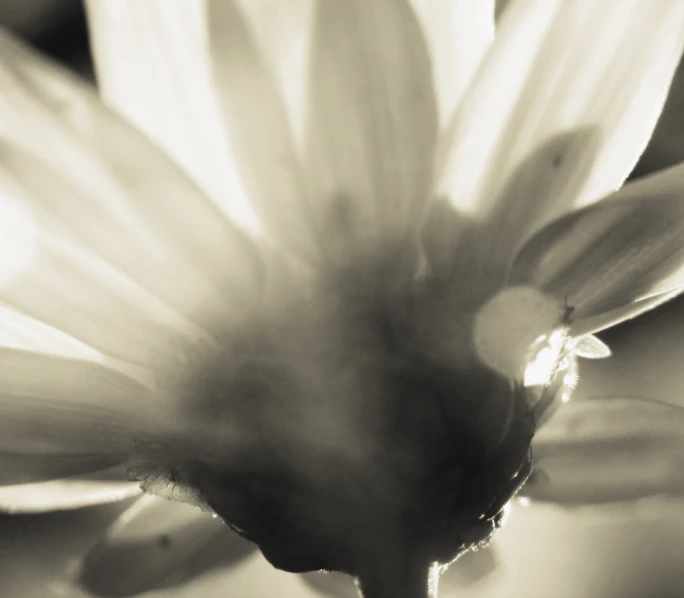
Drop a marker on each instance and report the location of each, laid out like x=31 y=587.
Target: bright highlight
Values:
x=510 y=324
x=18 y=237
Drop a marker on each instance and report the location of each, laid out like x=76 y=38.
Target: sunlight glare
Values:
x=539 y=369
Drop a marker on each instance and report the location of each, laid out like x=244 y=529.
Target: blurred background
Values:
x=627 y=552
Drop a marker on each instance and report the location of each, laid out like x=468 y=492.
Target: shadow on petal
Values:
x=609 y=450
x=158 y=544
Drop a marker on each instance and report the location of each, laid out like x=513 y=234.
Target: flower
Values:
x=350 y=367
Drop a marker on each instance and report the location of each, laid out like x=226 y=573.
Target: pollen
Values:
x=510 y=324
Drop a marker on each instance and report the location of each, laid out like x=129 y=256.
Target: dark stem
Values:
x=398 y=574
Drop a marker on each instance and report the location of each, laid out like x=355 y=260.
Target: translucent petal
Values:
x=256 y=118
x=624 y=249
x=590 y=347
x=458 y=33
x=68 y=493
x=61 y=417
x=155 y=543
x=153 y=65
x=70 y=289
x=608 y=450
x=116 y=192
x=281 y=32
x=21 y=332
x=372 y=123
x=613 y=317
x=561 y=109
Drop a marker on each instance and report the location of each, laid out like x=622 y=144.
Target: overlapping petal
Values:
x=153 y=65
x=372 y=123
x=609 y=450
x=61 y=417
x=74 y=492
x=256 y=119
x=458 y=33
x=583 y=81
x=108 y=191
x=21 y=332
x=157 y=543
x=604 y=257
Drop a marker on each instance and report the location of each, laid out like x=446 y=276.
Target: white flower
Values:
x=338 y=307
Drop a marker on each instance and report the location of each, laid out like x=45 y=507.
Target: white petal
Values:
x=613 y=317
x=372 y=123
x=99 y=181
x=61 y=417
x=21 y=332
x=458 y=33
x=624 y=249
x=281 y=32
x=68 y=288
x=150 y=544
x=609 y=450
x=153 y=65
x=590 y=347
x=68 y=493
x=257 y=121
x=561 y=109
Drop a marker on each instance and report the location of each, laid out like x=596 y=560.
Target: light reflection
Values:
x=545 y=353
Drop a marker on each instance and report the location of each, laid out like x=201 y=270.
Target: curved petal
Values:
x=256 y=117
x=156 y=543
x=21 y=332
x=153 y=66
x=458 y=33
x=613 y=317
x=608 y=450
x=61 y=417
x=624 y=249
x=372 y=126
x=68 y=288
x=68 y=493
x=115 y=192
x=555 y=71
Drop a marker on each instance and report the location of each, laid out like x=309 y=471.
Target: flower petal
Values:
x=609 y=450
x=153 y=66
x=613 y=317
x=624 y=249
x=458 y=34
x=372 y=125
x=68 y=493
x=154 y=544
x=66 y=287
x=257 y=121
x=21 y=332
x=583 y=81
x=116 y=192
x=61 y=417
